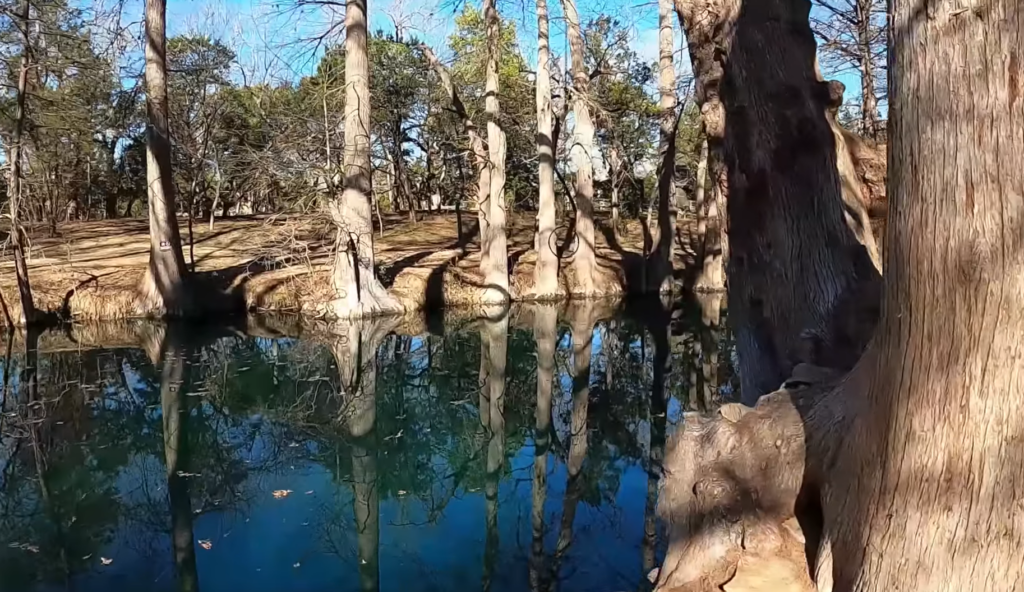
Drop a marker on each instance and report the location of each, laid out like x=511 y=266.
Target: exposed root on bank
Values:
x=739 y=492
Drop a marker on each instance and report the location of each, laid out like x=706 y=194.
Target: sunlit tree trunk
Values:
x=356 y=288
x=659 y=276
x=164 y=287
x=868 y=101
x=14 y=185
x=924 y=499
x=545 y=275
x=584 y=260
x=494 y=241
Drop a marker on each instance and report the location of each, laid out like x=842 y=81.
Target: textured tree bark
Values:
x=353 y=276
x=711 y=236
x=584 y=260
x=165 y=288
x=938 y=441
x=793 y=285
x=659 y=277
x=494 y=242
x=909 y=460
x=28 y=307
x=545 y=273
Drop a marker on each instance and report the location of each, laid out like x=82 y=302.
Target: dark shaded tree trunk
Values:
x=794 y=286
x=164 y=288
x=14 y=185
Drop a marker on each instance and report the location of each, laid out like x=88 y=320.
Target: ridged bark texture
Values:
x=584 y=260
x=164 y=290
x=798 y=291
x=545 y=273
x=357 y=291
x=495 y=243
x=660 y=276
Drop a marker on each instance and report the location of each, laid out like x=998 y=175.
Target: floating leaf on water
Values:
x=206 y=544
x=106 y=561
x=281 y=493
x=310 y=492
x=297 y=564
x=652 y=576
x=293 y=445
x=401 y=492
x=87 y=557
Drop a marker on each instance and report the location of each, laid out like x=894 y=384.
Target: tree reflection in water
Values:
x=503 y=452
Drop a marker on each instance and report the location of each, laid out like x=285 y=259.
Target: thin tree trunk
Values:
x=615 y=164
x=14 y=186
x=545 y=273
x=164 y=287
x=869 y=103
x=495 y=243
x=798 y=291
x=584 y=260
x=354 y=279
x=659 y=279
x=476 y=143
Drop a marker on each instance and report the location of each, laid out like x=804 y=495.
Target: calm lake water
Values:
x=519 y=452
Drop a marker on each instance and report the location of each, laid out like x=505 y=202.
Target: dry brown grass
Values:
x=91 y=270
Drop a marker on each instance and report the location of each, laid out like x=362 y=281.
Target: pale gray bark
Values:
x=545 y=277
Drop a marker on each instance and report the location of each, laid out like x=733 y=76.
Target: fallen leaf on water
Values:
x=652 y=575
x=87 y=557
x=280 y=493
x=106 y=561
x=310 y=492
x=297 y=564
x=293 y=445
x=401 y=492
x=206 y=544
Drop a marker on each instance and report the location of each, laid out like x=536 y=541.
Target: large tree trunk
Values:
x=476 y=144
x=354 y=278
x=494 y=337
x=906 y=466
x=545 y=273
x=793 y=286
x=939 y=435
x=494 y=243
x=660 y=276
x=584 y=260
x=164 y=287
x=14 y=186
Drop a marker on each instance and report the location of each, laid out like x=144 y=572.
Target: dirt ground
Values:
x=90 y=270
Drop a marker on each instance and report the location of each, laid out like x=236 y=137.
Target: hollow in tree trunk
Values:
x=165 y=287
x=545 y=273
x=494 y=243
x=659 y=277
x=357 y=291
x=584 y=260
